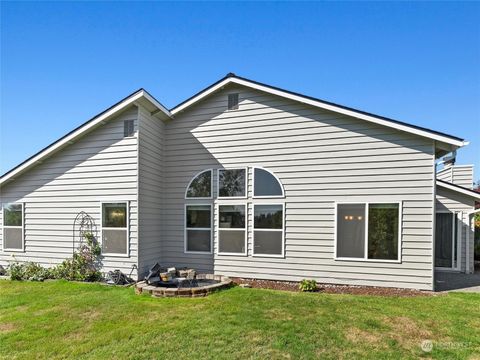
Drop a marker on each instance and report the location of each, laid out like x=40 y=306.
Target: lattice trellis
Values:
x=83 y=224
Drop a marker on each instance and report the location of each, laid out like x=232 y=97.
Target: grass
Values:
x=57 y=320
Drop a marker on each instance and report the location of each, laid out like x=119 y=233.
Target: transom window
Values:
x=13 y=234
x=232 y=183
x=232 y=229
x=368 y=231
x=200 y=187
x=265 y=184
x=198 y=228
x=115 y=238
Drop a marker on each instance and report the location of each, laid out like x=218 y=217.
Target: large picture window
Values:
x=232 y=183
x=268 y=230
x=232 y=229
x=115 y=228
x=368 y=231
x=198 y=228
x=13 y=235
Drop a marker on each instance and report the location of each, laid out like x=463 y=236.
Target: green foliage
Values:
x=83 y=266
x=307 y=285
x=28 y=271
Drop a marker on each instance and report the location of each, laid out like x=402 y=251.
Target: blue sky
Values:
x=62 y=63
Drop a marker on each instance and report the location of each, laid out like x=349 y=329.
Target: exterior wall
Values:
x=452 y=201
x=461 y=175
x=101 y=166
x=321 y=158
x=151 y=144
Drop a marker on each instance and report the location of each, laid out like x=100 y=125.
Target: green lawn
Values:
x=57 y=320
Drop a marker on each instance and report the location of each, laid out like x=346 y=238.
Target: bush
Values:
x=83 y=266
x=307 y=285
x=28 y=271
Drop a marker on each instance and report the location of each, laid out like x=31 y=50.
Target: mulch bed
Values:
x=333 y=289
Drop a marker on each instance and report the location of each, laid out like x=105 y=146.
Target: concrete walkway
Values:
x=450 y=281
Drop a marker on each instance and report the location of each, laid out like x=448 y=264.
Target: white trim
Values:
x=266 y=196
x=282 y=255
x=320 y=104
x=80 y=131
x=232 y=197
x=13 y=227
x=365 y=258
x=459 y=189
x=185 y=228
x=211 y=186
x=127 y=228
x=245 y=229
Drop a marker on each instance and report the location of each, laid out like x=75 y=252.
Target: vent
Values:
x=128 y=128
x=232 y=101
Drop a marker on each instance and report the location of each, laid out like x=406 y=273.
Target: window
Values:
x=232 y=101
x=368 y=231
x=128 y=128
x=198 y=228
x=232 y=229
x=200 y=186
x=265 y=184
x=446 y=240
x=232 y=183
x=13 y=227
x=115 y=228
x=268 y=230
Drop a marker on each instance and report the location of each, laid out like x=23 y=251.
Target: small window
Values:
x=198 y=228
x=115 y=228
x=13 y=227
x=268 y=230
x=265 y=184
x=232 y=101
x=232 y=183
x=377 y=241
x=200 y=186
x=232 y=229
x=128 y=128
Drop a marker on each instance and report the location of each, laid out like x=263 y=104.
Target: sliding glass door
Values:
x=446 y=244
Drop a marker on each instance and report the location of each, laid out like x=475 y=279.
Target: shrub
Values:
x=28 y=271
x=307 y=285
x=83 y=266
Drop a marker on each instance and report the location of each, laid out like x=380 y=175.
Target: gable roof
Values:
x=458 y=188
x=140 y=96
x=448 y=142
x=231 y=78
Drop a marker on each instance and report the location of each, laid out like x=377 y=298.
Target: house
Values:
x=247 y=180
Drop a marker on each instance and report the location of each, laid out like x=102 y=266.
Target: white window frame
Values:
x=245 y=229
x=456 y=222
x=211 y=186
x=278 y=230
x=13 y=227
x=185 y=228
x=266 y=196
x=127 y=204
x=232 y=197
x=365 y=253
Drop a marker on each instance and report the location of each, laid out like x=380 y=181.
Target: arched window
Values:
x=265 y=184
x=200 y=187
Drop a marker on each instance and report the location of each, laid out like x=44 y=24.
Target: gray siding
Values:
x=448 y=200
x=151 y=143
x=321 y=158
x=461 y=175
x=101 y=166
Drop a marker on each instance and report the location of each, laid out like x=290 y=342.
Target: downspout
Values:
x=434 y=215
